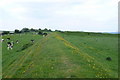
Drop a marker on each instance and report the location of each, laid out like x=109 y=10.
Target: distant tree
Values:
x=33 y=30
x=39 y=29
x=16 y=31
x=5 y=32
x=25 y=30
x=88 y=33
x=36 y=30
x=49 y=30
x=45 y=29
x=58 y=31
x=20 y=31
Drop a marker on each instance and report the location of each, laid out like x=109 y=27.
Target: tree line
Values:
x=25 y=30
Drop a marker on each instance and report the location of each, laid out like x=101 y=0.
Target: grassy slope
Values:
x=62 y=56
x=98 y=46
x=0 y=58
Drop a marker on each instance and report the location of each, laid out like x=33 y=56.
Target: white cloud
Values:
x=91 y=9
x=89 y=15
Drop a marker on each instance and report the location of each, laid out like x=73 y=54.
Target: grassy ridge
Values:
x=98 y=46
x=62 y=55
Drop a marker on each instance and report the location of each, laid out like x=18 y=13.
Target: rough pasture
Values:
x=61 y=55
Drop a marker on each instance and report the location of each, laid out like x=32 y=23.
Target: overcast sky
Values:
x=71 y=15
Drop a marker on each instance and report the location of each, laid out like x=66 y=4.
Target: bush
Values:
x=5 y=32
x=25 y=30
x=108 y=58
x=16 y=31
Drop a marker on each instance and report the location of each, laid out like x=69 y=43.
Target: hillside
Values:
x=61 y=55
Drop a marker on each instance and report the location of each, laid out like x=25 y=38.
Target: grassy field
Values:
x=61 y=55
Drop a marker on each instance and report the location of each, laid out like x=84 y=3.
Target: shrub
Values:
x=108 y=58
x=16 y=31
x=5 y=32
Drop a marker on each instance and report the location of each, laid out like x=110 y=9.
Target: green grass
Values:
x=0 y=58
x=61 y=55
